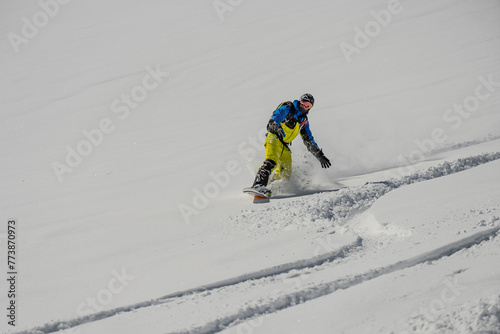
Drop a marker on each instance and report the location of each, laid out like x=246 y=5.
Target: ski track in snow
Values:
x=320 y=211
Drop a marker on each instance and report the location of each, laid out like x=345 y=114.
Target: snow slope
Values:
x=129 y=128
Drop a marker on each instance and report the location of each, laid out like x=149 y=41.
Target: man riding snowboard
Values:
x=287 y=121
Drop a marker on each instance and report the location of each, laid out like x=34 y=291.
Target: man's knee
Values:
x=269 y=164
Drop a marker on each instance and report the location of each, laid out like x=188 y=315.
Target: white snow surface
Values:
x=129 y=128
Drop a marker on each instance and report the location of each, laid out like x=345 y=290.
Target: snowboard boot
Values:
x=262 y=177
x=263 y=190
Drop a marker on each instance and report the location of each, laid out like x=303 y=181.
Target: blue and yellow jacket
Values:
x=292 y=121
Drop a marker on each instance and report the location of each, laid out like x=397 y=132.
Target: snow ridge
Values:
x=447 y=168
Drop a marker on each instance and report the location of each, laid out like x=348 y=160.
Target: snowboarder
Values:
x=287 y=121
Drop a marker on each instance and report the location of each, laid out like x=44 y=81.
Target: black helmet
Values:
x=308 y=98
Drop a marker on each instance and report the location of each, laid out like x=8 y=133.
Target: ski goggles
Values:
x=305 y=104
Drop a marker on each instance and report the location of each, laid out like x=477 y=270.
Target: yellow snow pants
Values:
x=279 y=153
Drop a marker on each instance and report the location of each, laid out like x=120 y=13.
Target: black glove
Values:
x=275 y=128
x=325 y=163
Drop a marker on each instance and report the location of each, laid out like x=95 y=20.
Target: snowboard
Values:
x=257 y=194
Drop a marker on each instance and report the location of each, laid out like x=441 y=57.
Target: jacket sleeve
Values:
x=308 y=139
